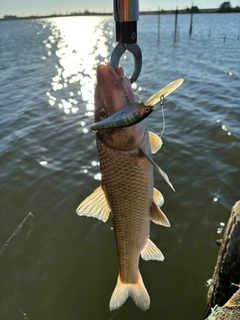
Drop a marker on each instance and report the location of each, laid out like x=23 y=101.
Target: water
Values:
x=61 y=266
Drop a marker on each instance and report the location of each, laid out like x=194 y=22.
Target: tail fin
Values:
x=136 y=291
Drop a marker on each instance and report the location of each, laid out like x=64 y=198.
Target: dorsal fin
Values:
x=155 y=142
x=158 y=217
x=151 y=252
x=95 y=206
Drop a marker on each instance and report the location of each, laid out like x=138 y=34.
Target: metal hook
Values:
x=137 y=55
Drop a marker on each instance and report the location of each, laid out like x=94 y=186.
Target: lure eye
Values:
x=102 y=113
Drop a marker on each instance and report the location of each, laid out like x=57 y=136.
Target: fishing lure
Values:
x=135 y=112
x=163 y=93
x=127 y=116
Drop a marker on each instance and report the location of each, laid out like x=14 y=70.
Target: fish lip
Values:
x=118 y=71
x=110 y=131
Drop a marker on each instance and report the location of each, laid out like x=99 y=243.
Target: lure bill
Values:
x=155 y=98
x=135 y=112
x=125 y=117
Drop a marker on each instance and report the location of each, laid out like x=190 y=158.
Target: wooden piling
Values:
x=231 y=309
x=175 y=30
x=226 y=276
x=158 y=24
x=191 y=21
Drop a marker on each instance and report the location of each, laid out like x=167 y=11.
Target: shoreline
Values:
x=156 y=12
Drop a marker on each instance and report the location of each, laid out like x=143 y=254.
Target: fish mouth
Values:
x=110 y=132
x=113 y=90
x=115 y=78
x=116 y=72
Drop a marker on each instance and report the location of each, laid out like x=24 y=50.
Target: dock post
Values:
x=158 y=24
x=191 y=20
x=175 y=31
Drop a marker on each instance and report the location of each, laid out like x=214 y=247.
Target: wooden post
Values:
x=191 y=20
x=226 y=276
x=175 y=31
x=231 y=309
x=209 y=34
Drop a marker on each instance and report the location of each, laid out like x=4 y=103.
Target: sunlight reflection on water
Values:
x=78 y=54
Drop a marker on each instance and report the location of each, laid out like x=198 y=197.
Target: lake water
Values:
x=62 y=266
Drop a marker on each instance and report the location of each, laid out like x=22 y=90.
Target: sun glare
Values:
x=80 y=44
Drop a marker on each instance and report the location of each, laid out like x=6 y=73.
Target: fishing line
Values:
x=14 y=260
x=23 y=313
x=15 y=256
x=125 y=93
x=114 y=314
x=15 y=232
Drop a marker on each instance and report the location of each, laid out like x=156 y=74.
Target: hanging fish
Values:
x=126 y=190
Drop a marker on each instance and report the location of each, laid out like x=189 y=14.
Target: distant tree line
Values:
x=224 y=8
x=227 y=7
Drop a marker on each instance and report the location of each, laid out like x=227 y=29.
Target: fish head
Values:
x=112 y=93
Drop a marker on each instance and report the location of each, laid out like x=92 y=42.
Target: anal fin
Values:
x=95 y=205
x=151 y=252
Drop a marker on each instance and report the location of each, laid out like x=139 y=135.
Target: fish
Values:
x=127 y=186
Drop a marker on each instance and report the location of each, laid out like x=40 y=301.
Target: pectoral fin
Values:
x=158 y=197
x=155 y=142
x=151 y=252
x=158 y=217
x=162 y=173
x=95 y=206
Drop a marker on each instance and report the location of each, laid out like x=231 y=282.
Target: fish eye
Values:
x=102 y=113
x=147 y=109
